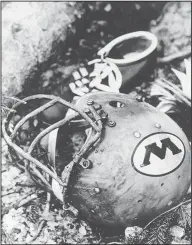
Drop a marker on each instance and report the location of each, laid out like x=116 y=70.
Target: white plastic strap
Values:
x=52 y=141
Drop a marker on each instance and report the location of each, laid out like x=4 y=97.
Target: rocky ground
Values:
x=25 y=209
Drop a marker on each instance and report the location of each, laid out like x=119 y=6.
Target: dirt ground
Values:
x=23 y=203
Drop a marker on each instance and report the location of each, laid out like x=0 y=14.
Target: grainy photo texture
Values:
x=96 y=122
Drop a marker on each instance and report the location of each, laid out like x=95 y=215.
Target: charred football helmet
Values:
x=134 y=164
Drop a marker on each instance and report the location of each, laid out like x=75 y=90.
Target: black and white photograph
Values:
x=96 y=122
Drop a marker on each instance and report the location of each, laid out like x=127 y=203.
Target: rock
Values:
x=177 y=231
x=23 y=136
x=35 y=122
x=30 y=30
x=108 y=7
x=10 y=176
x=28 y=238
x=183 y=241
x=51 y=241
x=82 y=231
x=58 y=217
x=132 y=234
x=16 y=118
x=47 y=75
x=172 y=26
x=26 y=125
x=12 y=220
x=4 y=147
x=45 y=84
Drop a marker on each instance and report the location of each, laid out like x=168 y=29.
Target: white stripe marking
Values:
x=85 y=80
x=83 y=71
x=72 y=86
x=85 y=89
x=76 y=75
x=79 y=83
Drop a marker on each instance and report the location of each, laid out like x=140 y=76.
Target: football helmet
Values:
x=134 y=164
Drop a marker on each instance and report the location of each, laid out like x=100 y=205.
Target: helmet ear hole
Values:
x=116 y=104
x=179 y=177
x=162 y=184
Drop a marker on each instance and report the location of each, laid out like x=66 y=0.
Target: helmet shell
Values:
x=140 y=167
